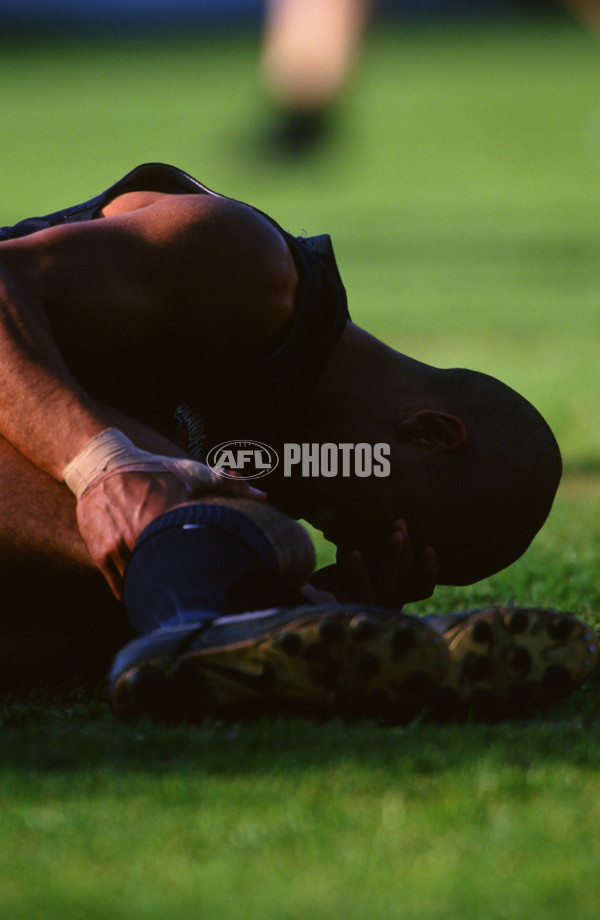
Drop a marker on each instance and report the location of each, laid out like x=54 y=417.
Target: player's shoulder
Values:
x=223 y=247
x=178 y=215
x=161 y=204
x=132 y=201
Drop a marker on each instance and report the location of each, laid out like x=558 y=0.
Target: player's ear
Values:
x=432 y=430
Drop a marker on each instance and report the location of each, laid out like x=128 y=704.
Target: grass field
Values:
x=462 y=190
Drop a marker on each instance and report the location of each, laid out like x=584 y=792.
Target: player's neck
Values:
x=361 y=387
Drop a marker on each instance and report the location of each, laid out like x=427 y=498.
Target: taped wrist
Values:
x=112 y=452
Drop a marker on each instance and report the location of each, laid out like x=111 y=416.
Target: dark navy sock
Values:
x=184 y=561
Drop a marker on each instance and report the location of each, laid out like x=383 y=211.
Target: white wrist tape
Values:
x=112 y=452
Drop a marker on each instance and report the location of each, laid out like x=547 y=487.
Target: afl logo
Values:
x=248 y=459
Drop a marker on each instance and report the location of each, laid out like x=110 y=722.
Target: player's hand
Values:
x=401 y=576
x=113 y=511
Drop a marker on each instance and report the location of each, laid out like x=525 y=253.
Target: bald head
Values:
x=475 y=467
x=495 y=491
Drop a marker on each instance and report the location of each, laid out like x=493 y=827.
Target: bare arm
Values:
x=113 y=275
x=43 y=411
x=183 y=267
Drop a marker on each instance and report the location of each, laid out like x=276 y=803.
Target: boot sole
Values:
x=508 y=662
x=323 y=663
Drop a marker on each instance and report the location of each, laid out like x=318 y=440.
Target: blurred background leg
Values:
x=586 y=10
x=308 y=55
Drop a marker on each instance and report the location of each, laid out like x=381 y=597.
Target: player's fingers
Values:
x=432 y=564
x=359 y=578
x=239 y=488
x=402 y=544
x=408 y=576
x=430 y=570
x=391 y=569
x=114 y=577
x=397 y=570
x=426 y=576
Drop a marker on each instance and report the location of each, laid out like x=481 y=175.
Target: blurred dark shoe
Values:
x=508 y=662
x=350 y=662
x=296 y=134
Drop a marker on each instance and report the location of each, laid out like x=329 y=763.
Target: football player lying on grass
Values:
x=159 y=298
